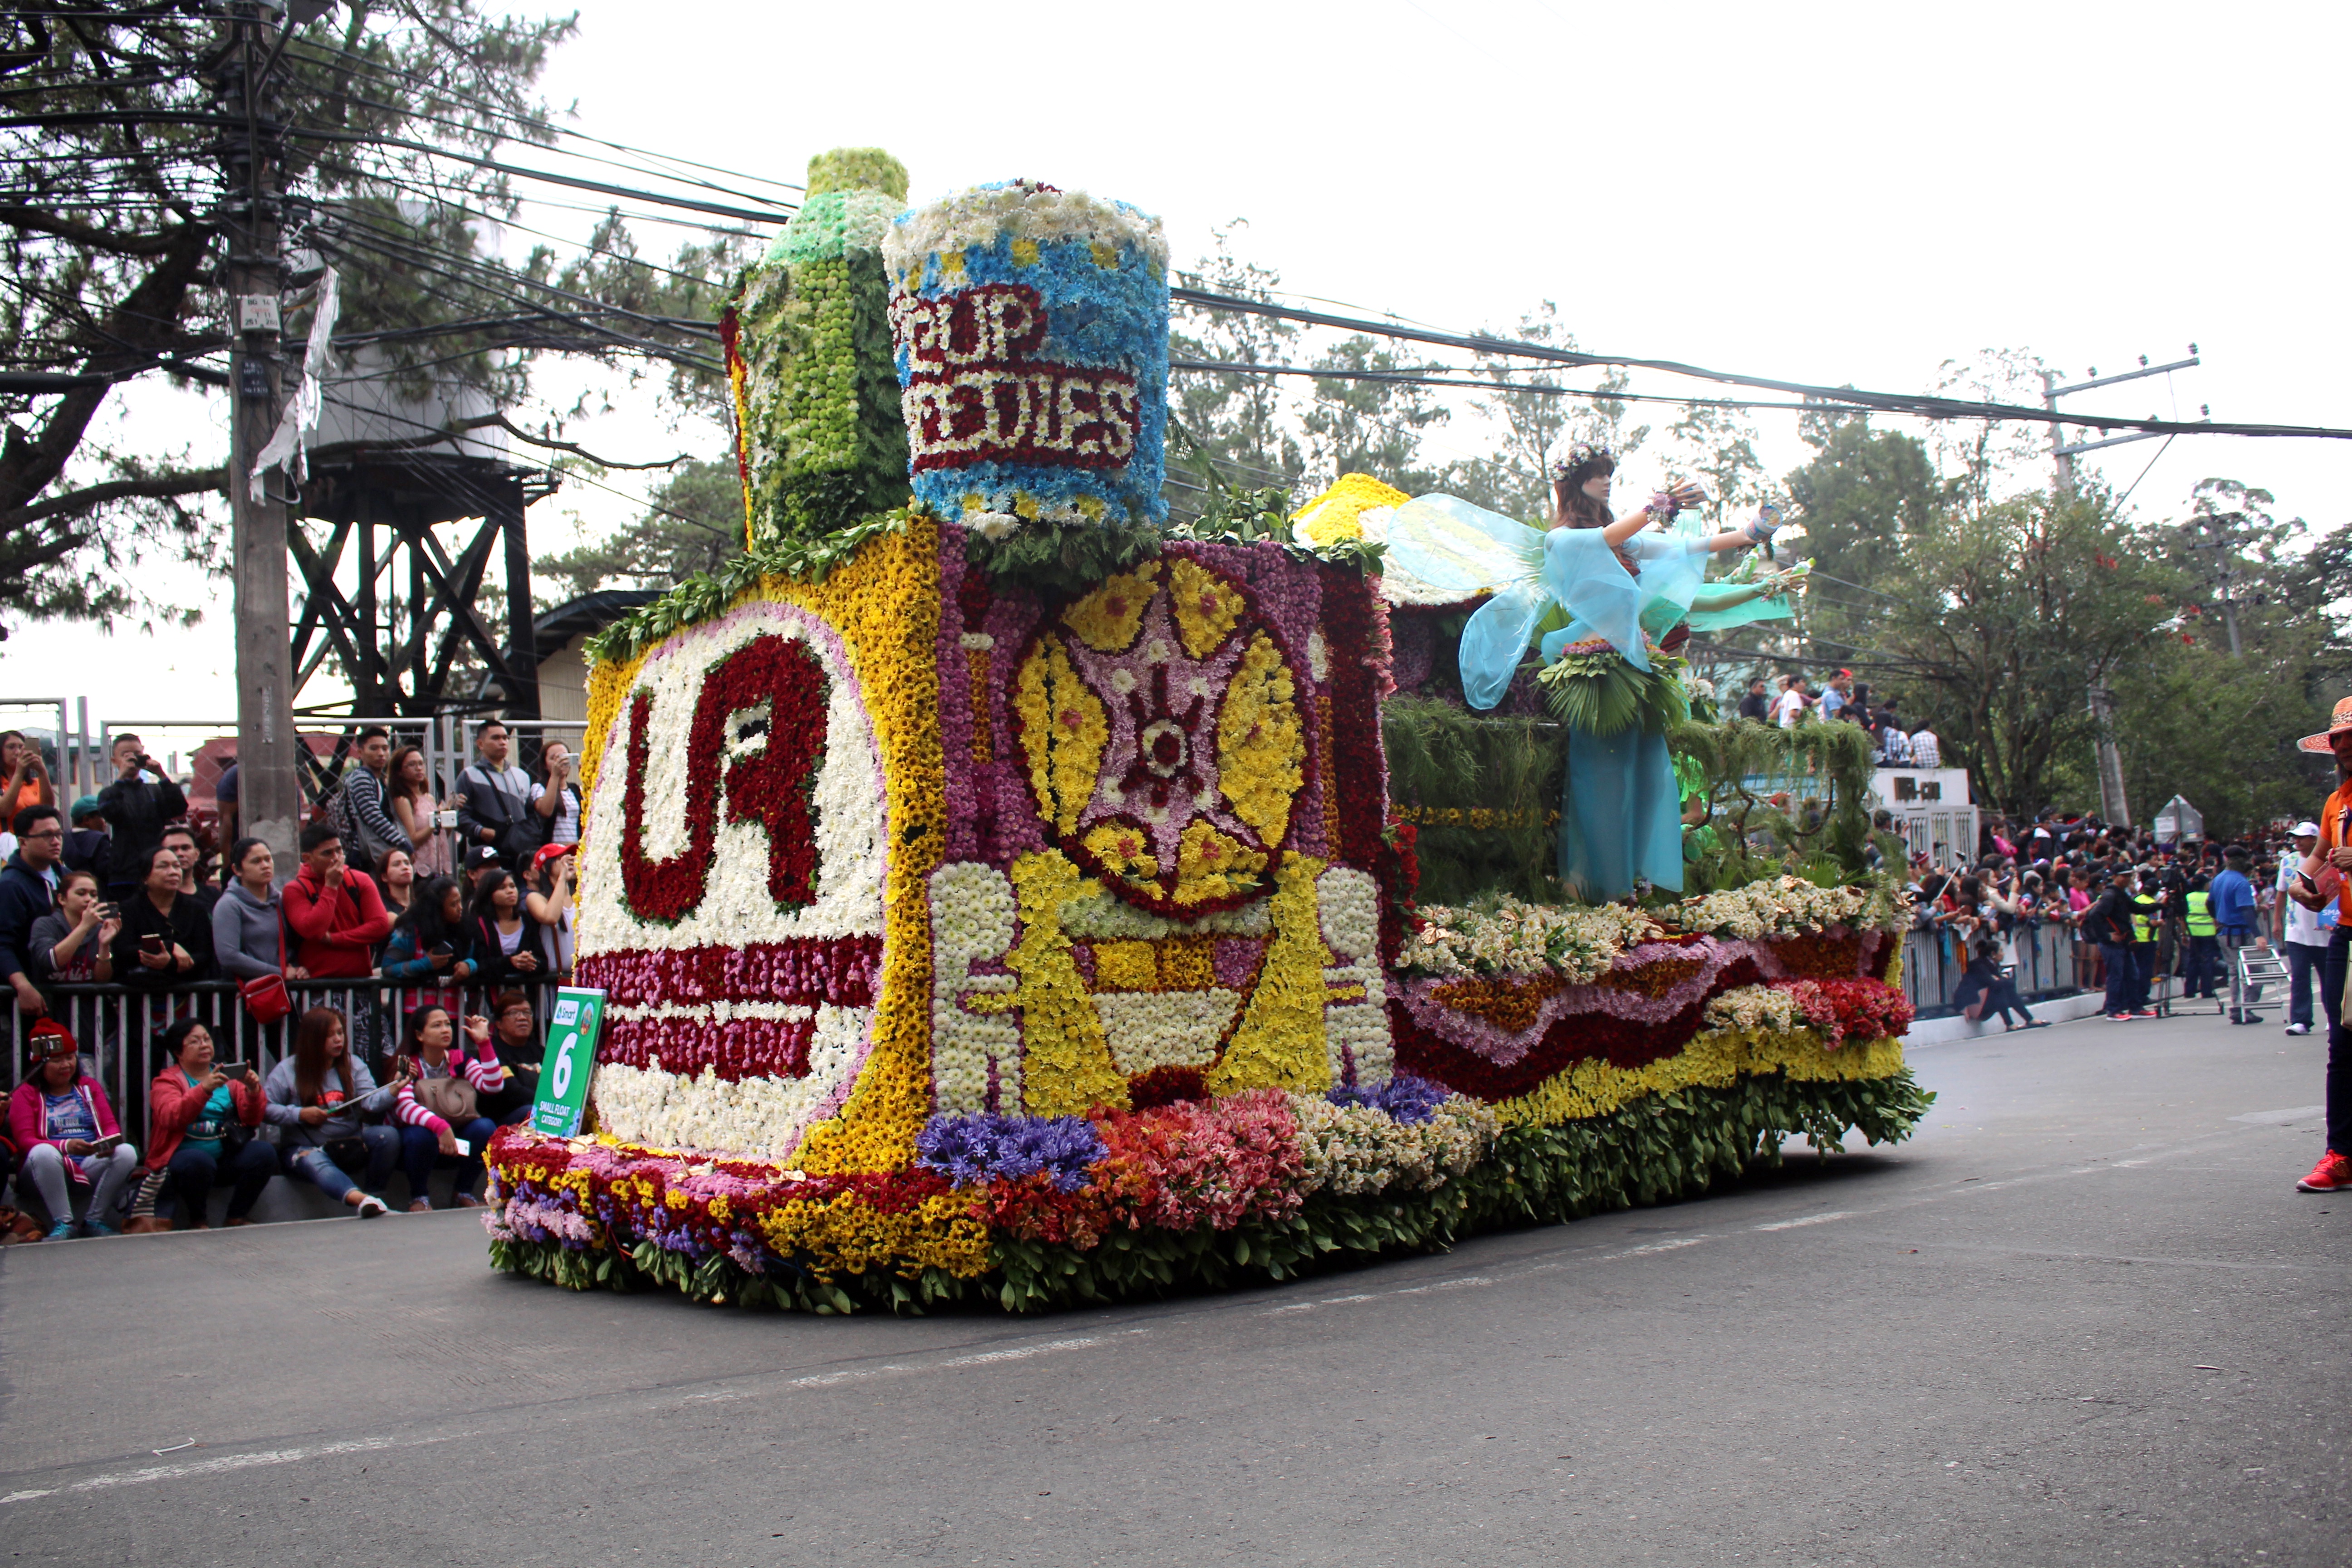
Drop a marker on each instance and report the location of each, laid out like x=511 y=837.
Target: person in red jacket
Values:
x=336 y=913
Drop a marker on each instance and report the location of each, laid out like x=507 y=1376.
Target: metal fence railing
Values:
x=116 y=1027
x=1933 y=962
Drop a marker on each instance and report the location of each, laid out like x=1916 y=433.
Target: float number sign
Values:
x=569 y=1061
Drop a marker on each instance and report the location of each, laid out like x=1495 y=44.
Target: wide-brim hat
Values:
x=2338 y=722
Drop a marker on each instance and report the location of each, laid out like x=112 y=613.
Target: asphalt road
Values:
x=2084 y=1317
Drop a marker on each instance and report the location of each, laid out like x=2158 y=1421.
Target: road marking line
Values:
x=1807 y=1219
x=1646 y=1249
x=2281 y=1118
x=215 y=1467
x=983 y=1358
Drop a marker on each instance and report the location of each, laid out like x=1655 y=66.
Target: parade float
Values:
x=1000 y=895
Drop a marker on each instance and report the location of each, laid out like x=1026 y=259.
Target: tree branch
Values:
x=190 y=481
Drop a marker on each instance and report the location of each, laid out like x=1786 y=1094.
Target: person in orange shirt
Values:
x=2325 y=876
x=24 y=781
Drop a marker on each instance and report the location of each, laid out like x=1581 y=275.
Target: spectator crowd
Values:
x=375 y=1009
x=1845 y=700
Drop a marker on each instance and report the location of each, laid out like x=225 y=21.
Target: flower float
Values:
x=980 y=925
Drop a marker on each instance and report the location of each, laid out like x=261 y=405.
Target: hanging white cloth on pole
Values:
x=289 y=444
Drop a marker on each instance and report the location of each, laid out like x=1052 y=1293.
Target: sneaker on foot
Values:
x=371 y=1205
x=2120 y=1017
x=2298 y=1028
x=98 y=1227
x=2145 y=1012
x=61 y=1231
x=2332 y=1174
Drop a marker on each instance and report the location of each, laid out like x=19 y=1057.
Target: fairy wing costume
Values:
x=1570 y=591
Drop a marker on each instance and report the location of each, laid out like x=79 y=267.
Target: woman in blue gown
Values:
x=1596 y=588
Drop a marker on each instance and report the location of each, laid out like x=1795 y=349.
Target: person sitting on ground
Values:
x=181 y=840
x=66 y=1134
x=165 y=940
x=1985 y=990
x=138 y=807
x=203 y=1119
x=436 y=1067
x=315 y=1098
x=515 y=1036
x=334 y=912
x=510 y=947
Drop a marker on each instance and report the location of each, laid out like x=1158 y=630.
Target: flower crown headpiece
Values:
x=1582 y=452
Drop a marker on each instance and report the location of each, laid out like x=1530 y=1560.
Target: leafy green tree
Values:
x=695 y=524
x=1999 y=621
x=113 y=242
x=1233 y=428
x=1369 y=426
x=1537 y=427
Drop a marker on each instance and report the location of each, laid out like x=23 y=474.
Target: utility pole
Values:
x=2052 y=391
x=270 y=793
x=2113 y=808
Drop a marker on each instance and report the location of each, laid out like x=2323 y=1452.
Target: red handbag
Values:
x=266 y=998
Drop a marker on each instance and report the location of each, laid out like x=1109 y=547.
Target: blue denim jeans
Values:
x=382 y=1145
x=2122 y=976
x=191 y=1173
x=420 y=1151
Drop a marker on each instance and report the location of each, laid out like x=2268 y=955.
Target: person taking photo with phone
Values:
x=203 y=1116
x=60 y=1119
x=138 y=805
x=165 y=940
x=24 y=778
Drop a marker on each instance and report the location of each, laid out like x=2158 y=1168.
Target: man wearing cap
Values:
x=2231 y=898
x=2321 y=879
x=2308 y=932
x=88 y=844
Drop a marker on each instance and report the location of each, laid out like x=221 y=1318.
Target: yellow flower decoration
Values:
x=1064 y=729
x=1261 y=744
x=1280 y=1042
x=1124 y=851
x=1206 y=606
x=1214 y=865
x=1108 y=617
x=1336 y=513
x=1067 y=1066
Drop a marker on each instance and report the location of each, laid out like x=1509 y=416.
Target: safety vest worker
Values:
x=2200 y=917
x=2142 y=929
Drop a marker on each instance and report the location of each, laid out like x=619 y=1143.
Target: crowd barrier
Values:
x=117 y=1024
x=1933 y=962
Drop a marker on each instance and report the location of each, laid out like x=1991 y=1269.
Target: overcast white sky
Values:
x=1824 y=193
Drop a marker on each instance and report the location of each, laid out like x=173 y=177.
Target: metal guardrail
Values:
x=116 y=1027
x=1933 y=962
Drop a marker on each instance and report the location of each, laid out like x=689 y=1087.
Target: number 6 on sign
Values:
x=572 y=1032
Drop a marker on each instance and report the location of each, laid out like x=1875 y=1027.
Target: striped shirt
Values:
x=484 y=1074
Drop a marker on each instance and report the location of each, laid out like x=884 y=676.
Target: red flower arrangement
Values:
x=769 y=786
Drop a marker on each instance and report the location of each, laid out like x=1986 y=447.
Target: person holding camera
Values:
x=138 y=809
x=60 y=1119
x=27 y=779
x=165 y=940
x=204 y=1117
x=557 y=799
